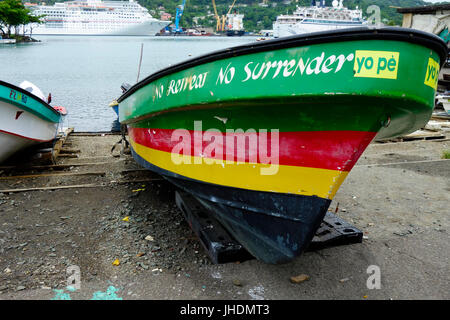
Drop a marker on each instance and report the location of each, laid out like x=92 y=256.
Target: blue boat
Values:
x=114 y=104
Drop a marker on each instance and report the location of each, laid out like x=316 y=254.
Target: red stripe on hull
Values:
x=23 y=137
x=334 y=150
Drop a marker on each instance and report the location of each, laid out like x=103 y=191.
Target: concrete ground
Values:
x=398 y=194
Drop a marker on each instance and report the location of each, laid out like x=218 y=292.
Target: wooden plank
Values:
x=139 y=170
x=67 y=155
x=440 y=140
x=76 y=186
x=67 y=150
x=437 y=117
x=415 y=136
x=63 y=174
x=51 y=188
x=96 y=157
x=397 y=163
x=422 y=134
x=61 y=166
x=58 y=145
x=424 y=137
x=42 y=156
x=136 y=180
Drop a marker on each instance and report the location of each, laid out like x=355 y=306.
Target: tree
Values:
x=33 y=20
x=14 y=15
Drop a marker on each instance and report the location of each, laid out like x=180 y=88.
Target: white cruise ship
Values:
x=96 y=17
x=316 y=18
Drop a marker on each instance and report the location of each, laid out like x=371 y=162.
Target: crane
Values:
x=178 y=15
x=216 y=15
x=224 y=17
x=220 y=26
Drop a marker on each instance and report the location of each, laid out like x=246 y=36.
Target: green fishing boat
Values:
x=264 y=134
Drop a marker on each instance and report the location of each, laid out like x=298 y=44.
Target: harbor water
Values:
x=84 y=73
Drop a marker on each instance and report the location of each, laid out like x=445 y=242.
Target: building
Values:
x=433 y=19
x=165 y=16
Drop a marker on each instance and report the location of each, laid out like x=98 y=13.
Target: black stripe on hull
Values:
x=273 y=227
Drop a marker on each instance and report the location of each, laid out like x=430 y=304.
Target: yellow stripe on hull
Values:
x=306 y=181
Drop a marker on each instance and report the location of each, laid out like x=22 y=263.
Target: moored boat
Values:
x=318 y=17
x=25 y=119
x=264 y=134
x=115 y=106
x=95 y=17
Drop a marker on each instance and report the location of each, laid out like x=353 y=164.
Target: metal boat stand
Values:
x=221 y=247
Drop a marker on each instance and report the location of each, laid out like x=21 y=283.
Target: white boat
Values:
x=25 y=118
x=96 y=17
x=235 y=26
x=317 y=18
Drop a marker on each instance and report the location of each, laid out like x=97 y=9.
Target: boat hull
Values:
x=254 y=218
x=147 y=28
x=286 y=30
x=116 y=109
x=273 y=215
x=265 y=134
x=235 y=33
x=12 y=144
x=25 y=120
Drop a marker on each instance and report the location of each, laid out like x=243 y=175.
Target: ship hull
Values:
x=286 y=30
x=148 y=28
x=265 y=134
x=25 y=120
x=235 y=33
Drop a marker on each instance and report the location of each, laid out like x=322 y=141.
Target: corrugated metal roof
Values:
x=424 y=9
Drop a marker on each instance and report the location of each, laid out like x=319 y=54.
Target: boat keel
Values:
x=221 y=247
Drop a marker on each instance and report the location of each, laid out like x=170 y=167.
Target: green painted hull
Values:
x=328 y=79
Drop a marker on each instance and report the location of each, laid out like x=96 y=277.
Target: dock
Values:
x=7 y=41
x=73 y=157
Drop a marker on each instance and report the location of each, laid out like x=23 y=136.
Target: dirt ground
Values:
x=398 y=194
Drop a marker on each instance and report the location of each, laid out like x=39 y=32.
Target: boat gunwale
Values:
x=428 y=40
x=45 y=104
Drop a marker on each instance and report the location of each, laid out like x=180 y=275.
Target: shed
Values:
x=434 y=19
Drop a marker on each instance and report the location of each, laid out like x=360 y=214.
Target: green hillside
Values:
x=201 y=12
x=257 y=17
